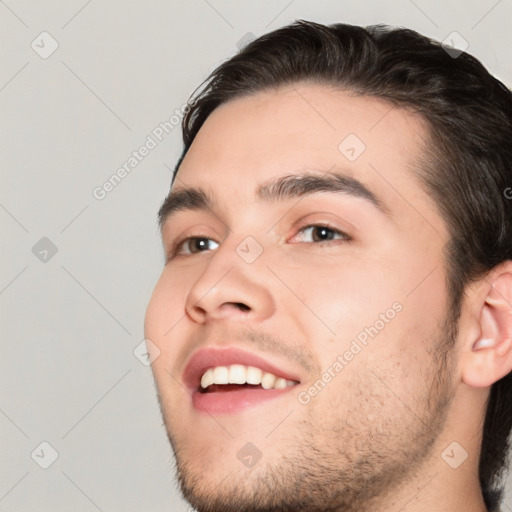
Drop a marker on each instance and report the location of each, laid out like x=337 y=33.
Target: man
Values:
x=334 y=316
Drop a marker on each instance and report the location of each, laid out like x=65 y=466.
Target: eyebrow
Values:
x=282 y=188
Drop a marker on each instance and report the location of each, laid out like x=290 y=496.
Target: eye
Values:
x=321 y=233
x=193 y=245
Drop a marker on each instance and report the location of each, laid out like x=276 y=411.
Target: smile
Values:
x=240 y=374
x=228 y=380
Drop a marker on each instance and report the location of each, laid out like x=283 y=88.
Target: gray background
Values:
x=72 y=320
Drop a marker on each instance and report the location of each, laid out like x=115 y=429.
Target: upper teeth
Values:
x=240 y=374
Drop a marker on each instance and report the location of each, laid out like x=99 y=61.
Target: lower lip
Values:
x=231 y=402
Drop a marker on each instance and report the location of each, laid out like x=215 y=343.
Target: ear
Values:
x=489 y=357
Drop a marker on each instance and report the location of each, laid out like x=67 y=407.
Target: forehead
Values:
x=254 y=139
x=293 y=126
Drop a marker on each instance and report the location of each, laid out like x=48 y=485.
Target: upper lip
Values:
x=210 y=357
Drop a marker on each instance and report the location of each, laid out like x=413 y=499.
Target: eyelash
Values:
x=179 y=243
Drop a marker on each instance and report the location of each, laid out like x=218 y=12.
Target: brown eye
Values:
x=194 y=245
x=320 y=233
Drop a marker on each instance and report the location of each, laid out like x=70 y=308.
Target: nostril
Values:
x=241 y=306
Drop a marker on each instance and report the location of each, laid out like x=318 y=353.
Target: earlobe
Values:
x=490 y=356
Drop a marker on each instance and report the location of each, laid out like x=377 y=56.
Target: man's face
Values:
x=338 y=288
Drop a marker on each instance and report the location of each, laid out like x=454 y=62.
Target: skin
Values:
x=374 y=437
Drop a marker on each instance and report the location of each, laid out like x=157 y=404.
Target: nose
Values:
x=230 y=288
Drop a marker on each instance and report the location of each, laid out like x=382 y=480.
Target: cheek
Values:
x=337 y=301
x=372 y=312
x=379 y=379
x=164 y=323
x=161 y=308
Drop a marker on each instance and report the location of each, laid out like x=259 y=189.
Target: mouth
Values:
x=228 y=380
